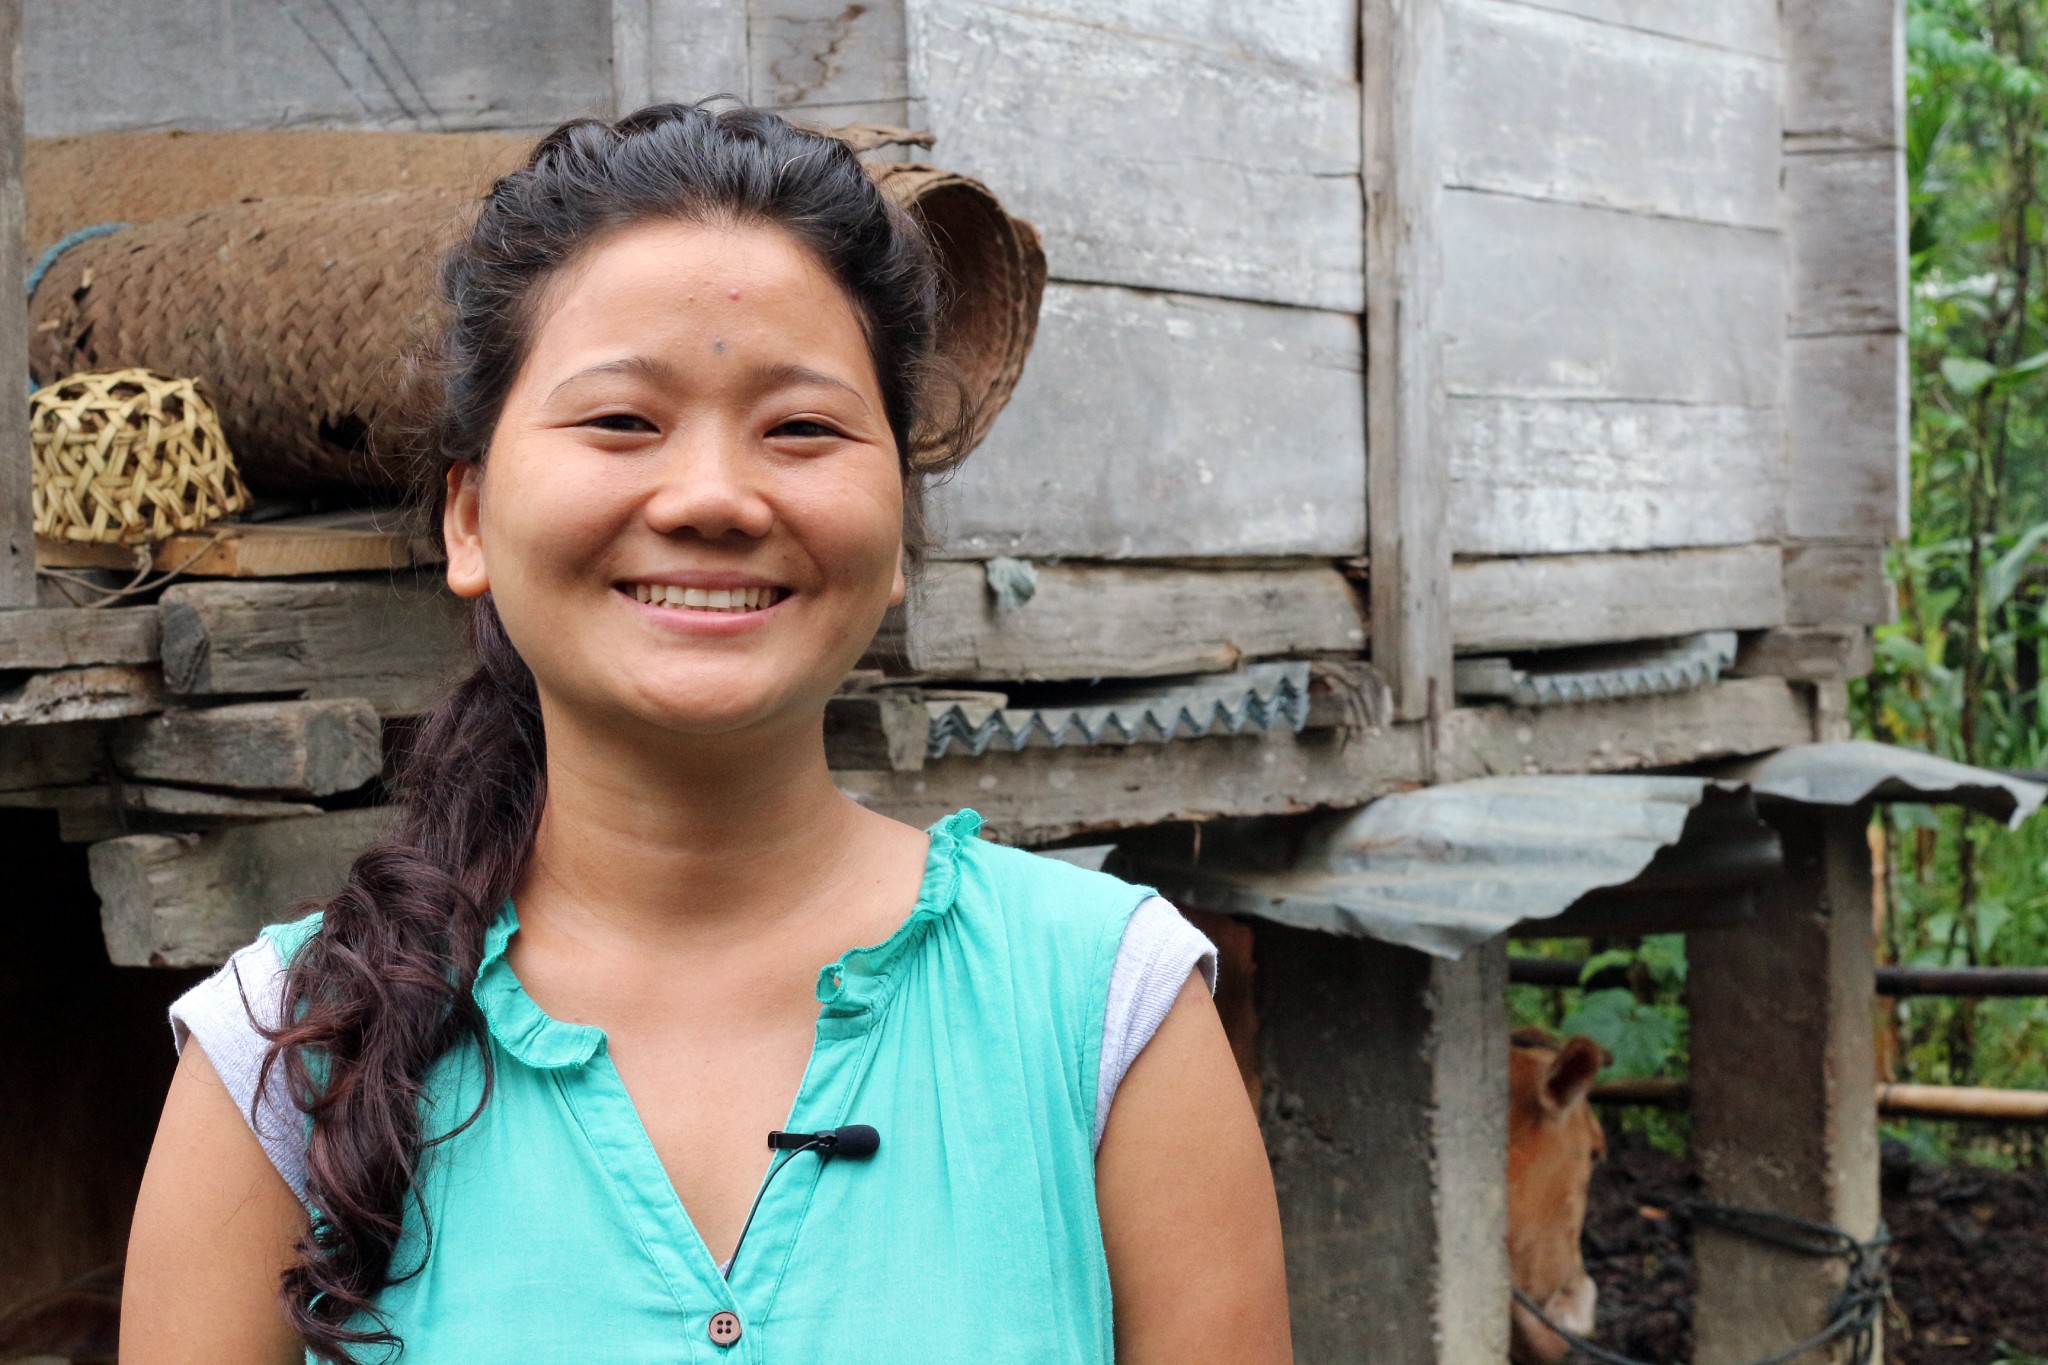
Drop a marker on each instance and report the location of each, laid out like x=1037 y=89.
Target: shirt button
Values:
x=724 y=1328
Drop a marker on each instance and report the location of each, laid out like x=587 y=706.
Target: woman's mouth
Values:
x=731 y=601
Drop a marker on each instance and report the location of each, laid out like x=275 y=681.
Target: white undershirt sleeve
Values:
x=1158 y=951
x=216 y=1014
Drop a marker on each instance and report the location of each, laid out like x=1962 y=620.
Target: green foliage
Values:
x=1960 y=672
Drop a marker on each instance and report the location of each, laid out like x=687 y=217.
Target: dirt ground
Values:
x=1969 y=1261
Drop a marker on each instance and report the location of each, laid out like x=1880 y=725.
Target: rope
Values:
x=1854 y=1314
x=62 y=245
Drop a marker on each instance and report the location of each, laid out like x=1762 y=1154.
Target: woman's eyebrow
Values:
x=776 y=376
x=645 y=367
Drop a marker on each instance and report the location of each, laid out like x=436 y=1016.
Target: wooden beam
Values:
x=104 y=693
x=286 y=748
x=1753 y=715
x=173 y=901
x=1805 y=653
x=1403 y=71
x=190 y=901
x=348 y=543
x=69 y=637
x=1103 y=620
x=17 y=512
x=392 y=642
x=1830 y=584
x=888 y=731
x=1547 y=601
x=185 y=803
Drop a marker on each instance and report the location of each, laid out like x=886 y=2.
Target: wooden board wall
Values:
x=1194 y=170
x=1846 y=390
x=1613 y=276
x=438 y=65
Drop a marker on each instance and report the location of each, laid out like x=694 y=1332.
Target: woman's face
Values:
x=691 y=513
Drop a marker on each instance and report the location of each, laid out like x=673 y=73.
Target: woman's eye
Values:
x=803 y=428
x=621 y=421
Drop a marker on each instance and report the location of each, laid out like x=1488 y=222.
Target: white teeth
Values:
x=705 y=599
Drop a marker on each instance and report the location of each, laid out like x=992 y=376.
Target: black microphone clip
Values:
x=854 y=1140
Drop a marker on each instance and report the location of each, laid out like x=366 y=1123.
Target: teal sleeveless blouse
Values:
x=970 y=1039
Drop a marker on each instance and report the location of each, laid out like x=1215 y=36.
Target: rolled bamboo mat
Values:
x=73 y=182
x=299 y=311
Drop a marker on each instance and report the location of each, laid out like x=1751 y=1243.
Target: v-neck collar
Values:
x=851 y=991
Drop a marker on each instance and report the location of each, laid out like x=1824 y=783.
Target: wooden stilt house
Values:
x=1424 y=391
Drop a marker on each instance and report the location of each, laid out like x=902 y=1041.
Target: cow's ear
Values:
x=1578 y=1063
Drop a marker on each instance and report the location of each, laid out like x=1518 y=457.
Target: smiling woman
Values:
x=509 y=1095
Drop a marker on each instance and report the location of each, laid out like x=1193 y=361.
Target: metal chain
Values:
x=1854 y=1314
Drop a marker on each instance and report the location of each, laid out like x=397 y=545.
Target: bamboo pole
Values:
x=1894 y=1099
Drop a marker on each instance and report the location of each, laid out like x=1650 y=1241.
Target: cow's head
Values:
x=1553 y=1142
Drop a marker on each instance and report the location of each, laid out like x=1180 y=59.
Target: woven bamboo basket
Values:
x=128 y=457
x=299 y=310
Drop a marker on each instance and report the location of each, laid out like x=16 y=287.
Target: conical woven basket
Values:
x=299 y=311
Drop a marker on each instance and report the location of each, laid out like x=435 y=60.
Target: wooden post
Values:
x=17 y=519
x=1385 y=1111
x=1408 y=545
x=1784 y=1111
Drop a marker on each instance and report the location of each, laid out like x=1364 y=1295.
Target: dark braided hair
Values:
x=382 y=991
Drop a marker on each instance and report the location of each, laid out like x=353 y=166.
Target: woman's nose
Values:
x=710 y=485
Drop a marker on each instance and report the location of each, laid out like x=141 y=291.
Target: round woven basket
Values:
x=299 y=311
x=128 y=457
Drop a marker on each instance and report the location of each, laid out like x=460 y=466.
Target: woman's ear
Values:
x=462 y=530
x=900 y=587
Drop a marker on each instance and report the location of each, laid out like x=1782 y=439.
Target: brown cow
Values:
x=1554 y=1139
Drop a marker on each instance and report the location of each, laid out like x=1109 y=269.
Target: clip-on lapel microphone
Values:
x=855 y=1140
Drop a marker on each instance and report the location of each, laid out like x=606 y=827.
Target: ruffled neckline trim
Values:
x=856 y=985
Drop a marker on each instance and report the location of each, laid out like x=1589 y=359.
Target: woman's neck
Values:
x=686 y=842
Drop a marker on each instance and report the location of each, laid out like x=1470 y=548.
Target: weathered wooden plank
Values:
x=1845 y=222
x=1743 y=25
x=1749 y=716
x=446 y=64
x=1805 y=653
x=1314 y=35
x=1550 y=476
x=1837 y=585
x=1406 y=420
x=1846 y=409
x=803 y=54
x=1088 y=621
x=1044 y=794
x=17 y=511
x=889 y=730
x=189 y=901
x=184 y=803
x=1155 y=425
x=1845 y=73
x=1553 y=106
x=694 y=50
x=106 y=692
x=289 y=549
x=1558 y=300
x=287 y=748
x=66 y=637
x=1232 y=176
x=392 y=642
x=1555 y=600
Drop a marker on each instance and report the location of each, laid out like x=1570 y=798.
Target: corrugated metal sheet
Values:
x=1653 y=668
x=1447 y=867
x=1256 y=698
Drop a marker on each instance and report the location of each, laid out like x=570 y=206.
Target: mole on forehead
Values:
x=718 y=347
